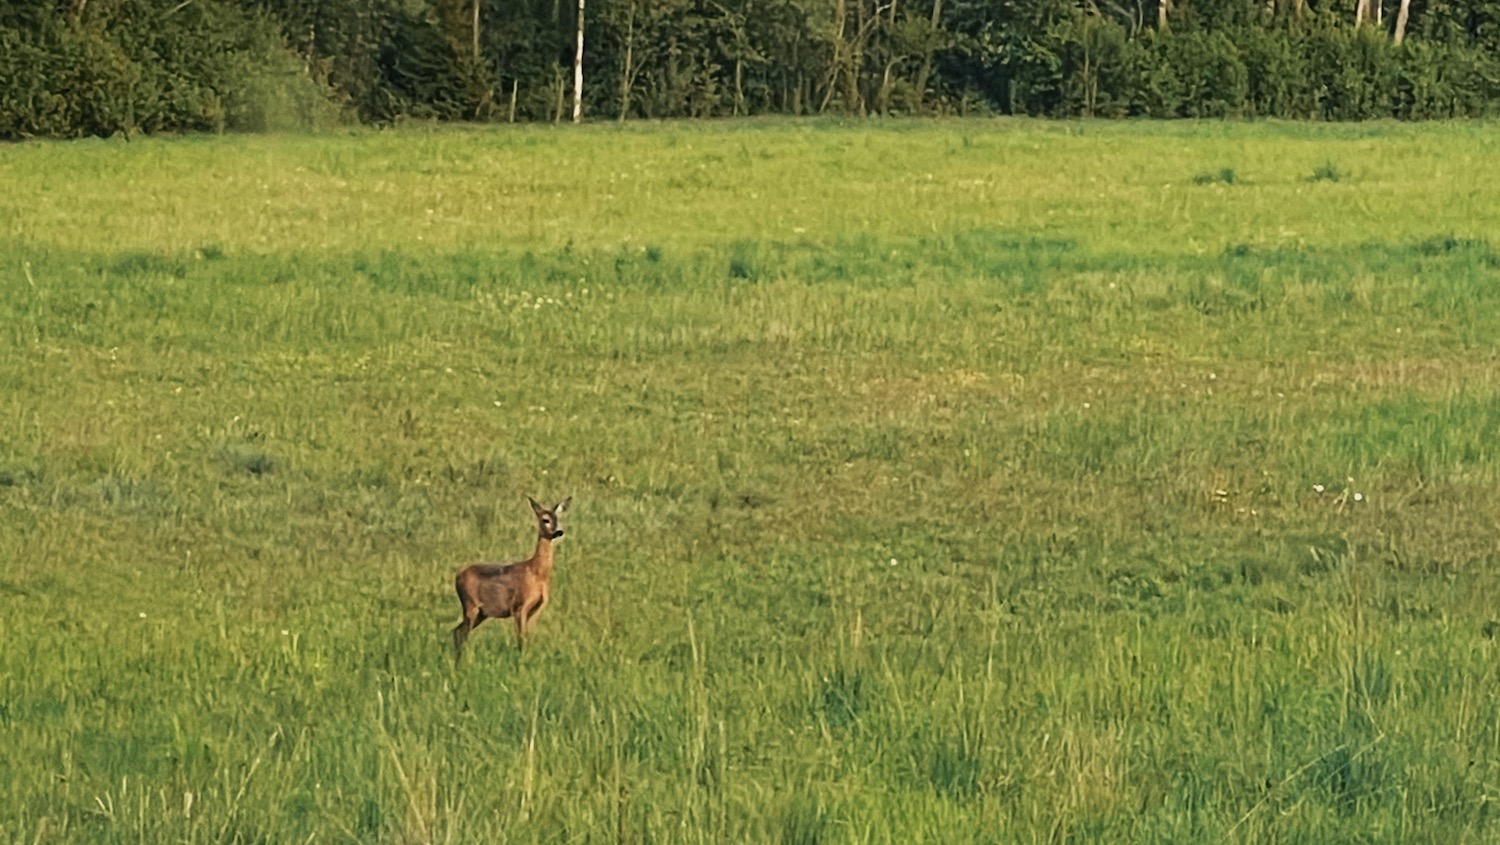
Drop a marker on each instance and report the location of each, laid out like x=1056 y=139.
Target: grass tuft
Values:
x=805 y=821
x=745 y=261
x=1222 y=176
x=1326 y=172
x=246 y=458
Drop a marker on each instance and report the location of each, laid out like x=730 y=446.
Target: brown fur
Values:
x=517 y=591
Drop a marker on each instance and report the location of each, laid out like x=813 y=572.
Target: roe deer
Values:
x=517 y=590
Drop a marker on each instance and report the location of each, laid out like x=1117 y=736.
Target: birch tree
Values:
x=578 y=70
x=1401 y=17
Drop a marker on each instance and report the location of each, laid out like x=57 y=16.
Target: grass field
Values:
x=992 y=481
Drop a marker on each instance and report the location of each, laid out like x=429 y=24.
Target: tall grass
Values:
x=935 y=482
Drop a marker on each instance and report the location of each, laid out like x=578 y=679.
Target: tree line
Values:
x=99 y=67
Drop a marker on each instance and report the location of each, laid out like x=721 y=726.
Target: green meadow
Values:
x=994 y=481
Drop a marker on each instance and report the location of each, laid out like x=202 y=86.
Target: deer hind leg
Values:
x=460 y=633
x=473 y=615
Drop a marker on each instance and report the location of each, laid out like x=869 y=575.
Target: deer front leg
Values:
x=524 y=617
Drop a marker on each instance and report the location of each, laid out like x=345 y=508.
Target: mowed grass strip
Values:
x=981 y=481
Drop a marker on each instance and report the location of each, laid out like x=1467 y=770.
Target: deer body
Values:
x=517 y=591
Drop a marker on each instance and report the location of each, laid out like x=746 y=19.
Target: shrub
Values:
x=1357 y=70
x=143 y=66
x=1438 y=80
x=1278 y=83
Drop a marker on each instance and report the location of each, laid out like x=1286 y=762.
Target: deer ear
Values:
x=562 y=507
x=535 y=505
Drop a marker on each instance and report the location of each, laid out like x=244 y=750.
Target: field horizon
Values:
x=993 y=480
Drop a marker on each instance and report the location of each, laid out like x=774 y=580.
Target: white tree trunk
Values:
x=578 y=70
x=625 y=76
x=476 y=32
x=1400 y=34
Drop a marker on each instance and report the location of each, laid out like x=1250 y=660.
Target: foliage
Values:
x=146 y=66
x=1438 y=80
x=128 y=66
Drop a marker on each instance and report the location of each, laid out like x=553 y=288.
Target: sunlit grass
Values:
x=1126 y=189
x=983 y=481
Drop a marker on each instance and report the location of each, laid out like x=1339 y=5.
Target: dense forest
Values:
x=100 y=67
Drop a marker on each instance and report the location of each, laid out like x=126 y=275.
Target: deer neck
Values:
x=541 y=559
